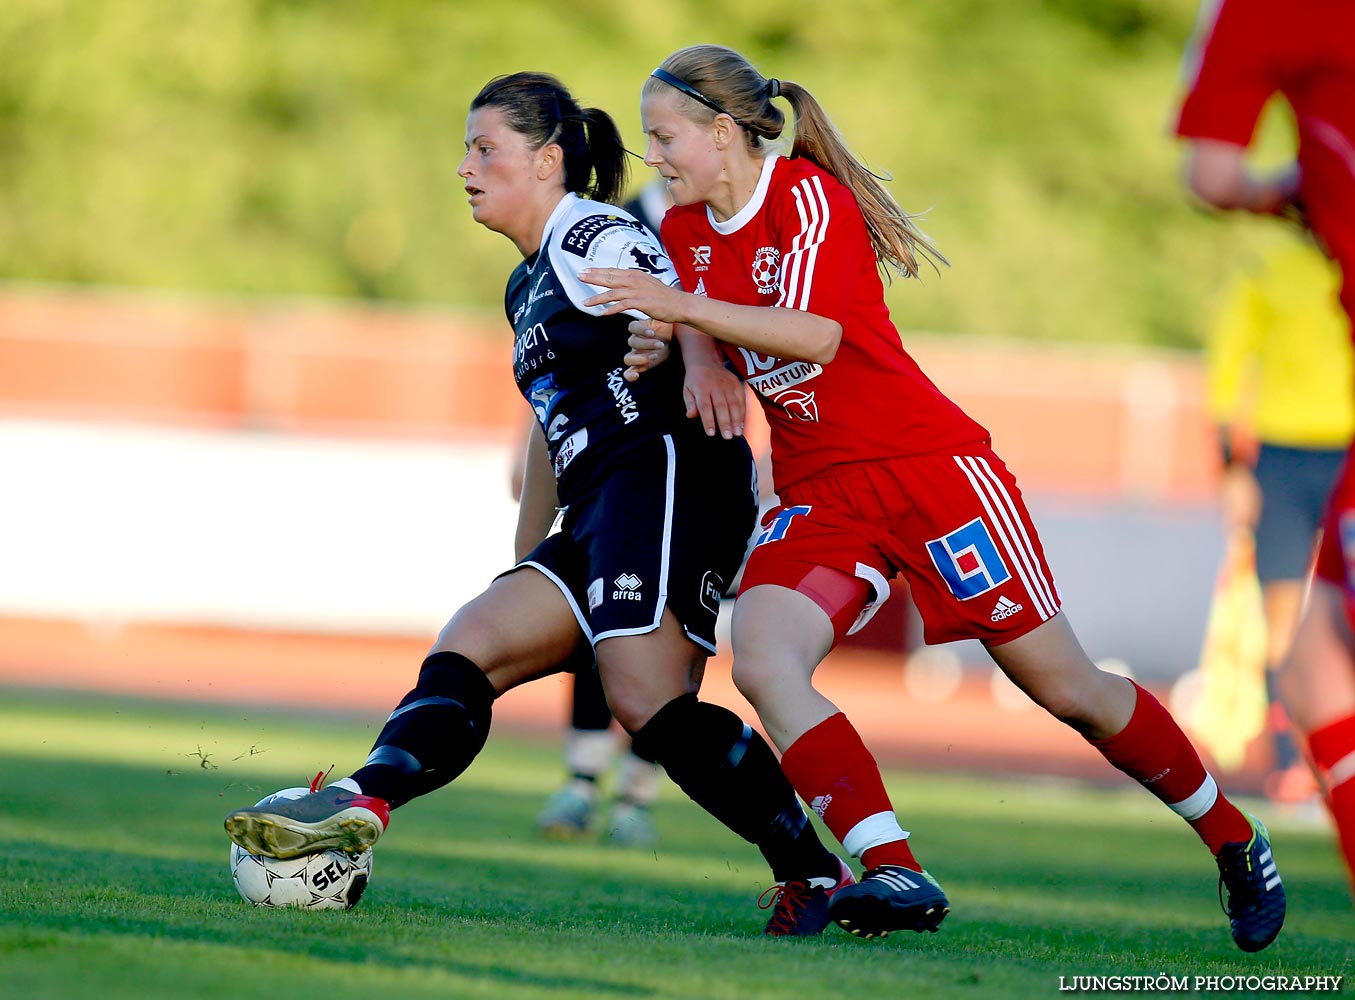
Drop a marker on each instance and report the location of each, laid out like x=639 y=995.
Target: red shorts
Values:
x=1336 y=551
x=955 y=526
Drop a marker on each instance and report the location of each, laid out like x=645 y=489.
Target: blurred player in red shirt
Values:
x=1249 y=51
x=878 y=473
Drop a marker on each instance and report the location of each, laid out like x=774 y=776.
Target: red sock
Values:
x=1333 y=751
x=834 y=772
x=1154 y=751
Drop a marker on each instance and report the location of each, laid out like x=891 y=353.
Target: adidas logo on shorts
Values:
x=1005 y=609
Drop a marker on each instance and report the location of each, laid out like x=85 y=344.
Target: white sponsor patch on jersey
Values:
x=771 y=383
x=569 y=450
x=581 y=234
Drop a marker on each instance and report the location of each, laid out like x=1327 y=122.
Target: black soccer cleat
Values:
x=1256 y=903
x=330 y=818
x=889 y=898
x=800 y=908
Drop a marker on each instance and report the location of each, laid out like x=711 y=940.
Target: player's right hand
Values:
x=648 y=341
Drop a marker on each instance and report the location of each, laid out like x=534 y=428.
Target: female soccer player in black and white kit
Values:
x=655 y=518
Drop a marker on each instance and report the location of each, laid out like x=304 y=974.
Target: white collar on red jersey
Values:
x=741 y=218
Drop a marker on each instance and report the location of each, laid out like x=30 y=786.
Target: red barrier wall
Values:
x=1069 y=420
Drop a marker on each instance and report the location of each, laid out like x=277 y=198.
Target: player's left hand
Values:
x=627 y=288
x=649 y=340
x=717 y=397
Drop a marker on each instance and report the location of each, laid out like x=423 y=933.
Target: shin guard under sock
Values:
x=836 y=774
x=433 y=734
x=1154 y=751
x=728 y=769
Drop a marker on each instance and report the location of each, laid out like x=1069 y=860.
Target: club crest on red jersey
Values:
x=968 y=560
x=767 y=270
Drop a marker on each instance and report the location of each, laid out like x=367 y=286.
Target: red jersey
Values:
x=801 y=243
x=1305 y=50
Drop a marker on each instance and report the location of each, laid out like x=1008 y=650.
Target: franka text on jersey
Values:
x=625 y=402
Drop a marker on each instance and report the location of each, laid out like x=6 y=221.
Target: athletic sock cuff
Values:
x=1143 y=705
x=873 y=831
x=1330 y=743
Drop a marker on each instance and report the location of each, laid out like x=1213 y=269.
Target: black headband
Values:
x=677 y=83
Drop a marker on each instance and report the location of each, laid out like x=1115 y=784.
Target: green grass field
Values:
x=113 y=882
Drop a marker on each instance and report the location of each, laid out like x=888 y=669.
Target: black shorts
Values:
x=1295 y=484
x=666 y=529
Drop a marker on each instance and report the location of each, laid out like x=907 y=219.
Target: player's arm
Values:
x=800 y=326
x=776 y=331
x=1219 y=175
x=1231 y=352
x=1237 y=69
x=712 y=392
x=537 y=508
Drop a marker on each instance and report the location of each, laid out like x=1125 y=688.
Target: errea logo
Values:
x=627 y=588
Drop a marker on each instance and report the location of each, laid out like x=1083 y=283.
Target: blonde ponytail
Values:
x=720 y=80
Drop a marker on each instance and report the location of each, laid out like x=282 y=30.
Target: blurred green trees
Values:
x=309 y=147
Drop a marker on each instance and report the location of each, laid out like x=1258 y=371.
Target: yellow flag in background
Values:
x=1227 y=706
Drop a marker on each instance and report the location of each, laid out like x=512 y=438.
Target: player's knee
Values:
x=1098 y=703
x=1071 y=711
x=633 y=704
x=687 y=733
x=756 y=676
x=631 y=713
x=475 y=633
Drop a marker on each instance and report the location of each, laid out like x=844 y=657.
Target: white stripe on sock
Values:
x=1200 y=803
x=1342 y=771
x=882 y=828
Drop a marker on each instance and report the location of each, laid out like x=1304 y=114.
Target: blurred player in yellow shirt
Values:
x=1280 y=378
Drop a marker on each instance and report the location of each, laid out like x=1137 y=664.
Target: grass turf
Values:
x=113 y=881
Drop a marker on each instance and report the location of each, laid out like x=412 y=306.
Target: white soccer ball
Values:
x=329 y=880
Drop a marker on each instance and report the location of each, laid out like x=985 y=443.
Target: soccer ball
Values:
x=328 y=880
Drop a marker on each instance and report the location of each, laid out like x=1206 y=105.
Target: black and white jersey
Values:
x=567 y=358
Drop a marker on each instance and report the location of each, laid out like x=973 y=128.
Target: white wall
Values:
x=124 y=522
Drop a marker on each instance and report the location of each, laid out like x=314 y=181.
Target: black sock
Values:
x=588 y=708
x=1286 y=749
x=728 y=769
x=433 y=734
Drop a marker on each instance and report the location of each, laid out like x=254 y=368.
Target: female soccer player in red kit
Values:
x=1306 y=51
x=878 y=472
